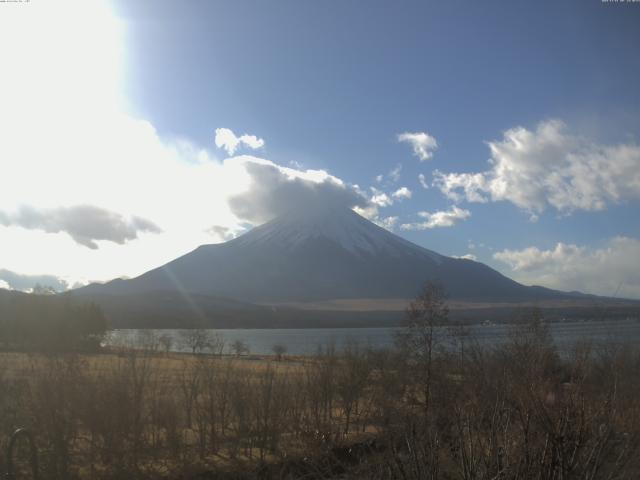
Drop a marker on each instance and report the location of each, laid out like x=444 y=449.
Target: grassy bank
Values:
x=516 y=411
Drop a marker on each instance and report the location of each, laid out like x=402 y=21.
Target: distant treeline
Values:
x=170 y=309
x=45 y=322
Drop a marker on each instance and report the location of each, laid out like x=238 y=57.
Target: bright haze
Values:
x=133 y=132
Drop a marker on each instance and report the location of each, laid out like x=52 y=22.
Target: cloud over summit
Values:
x=274 y=190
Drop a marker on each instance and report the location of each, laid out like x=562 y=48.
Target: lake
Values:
x=307 y=341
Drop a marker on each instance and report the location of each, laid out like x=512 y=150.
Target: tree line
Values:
x=46 y=322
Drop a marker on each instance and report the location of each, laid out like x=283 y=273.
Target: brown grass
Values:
x=518 y=411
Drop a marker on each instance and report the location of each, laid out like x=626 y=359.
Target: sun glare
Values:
x=67 y=140
x=61 y=76
x=60 y=58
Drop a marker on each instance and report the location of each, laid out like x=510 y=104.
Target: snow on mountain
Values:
x=341 y=226
x=322 y=254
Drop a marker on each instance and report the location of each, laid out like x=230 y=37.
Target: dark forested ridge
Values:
x=166 y=309
x=49 y=322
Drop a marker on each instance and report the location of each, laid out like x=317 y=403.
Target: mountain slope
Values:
x=319 y=255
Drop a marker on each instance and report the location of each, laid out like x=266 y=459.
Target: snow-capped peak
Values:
x=339 y=225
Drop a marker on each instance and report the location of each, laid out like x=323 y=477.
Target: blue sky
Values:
x=552 y=86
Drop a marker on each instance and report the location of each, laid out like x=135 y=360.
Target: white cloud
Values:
x=226 y=139
x=4 y=285
x=423 y=181
x=273 y=190
x=402 y=193
x=423 y=144
x=394 y=174
x=614 y=268
x=386 y=222
x=473 y=186
x=380 y=198
x=550 y=167
x=369 y=212
x=468 y=256
x=444 y=218
x=86 y=224
x=221 y=233
x=295 y=164
x=25 y=283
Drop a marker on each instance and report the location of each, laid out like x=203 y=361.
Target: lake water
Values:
x=307 y=341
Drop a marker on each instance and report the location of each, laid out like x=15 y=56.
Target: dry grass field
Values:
x=519 y=411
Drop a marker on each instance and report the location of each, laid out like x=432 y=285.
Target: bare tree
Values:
x=279 y=350
x=166 y=341
x=351 y=381
x=459 y=334
x=148 y=340
x=216 y=344
x=419 y=337
x=197 y=339
x=189 y=384
x=239 y=347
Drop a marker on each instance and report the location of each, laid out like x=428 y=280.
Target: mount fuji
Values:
x=305 y=257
